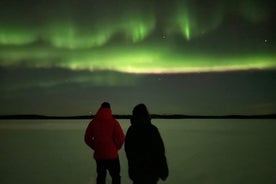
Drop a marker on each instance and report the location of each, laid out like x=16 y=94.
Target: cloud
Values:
x=23 y=79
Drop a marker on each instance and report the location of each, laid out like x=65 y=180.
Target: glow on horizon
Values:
x=135 y=60
x=255 y=64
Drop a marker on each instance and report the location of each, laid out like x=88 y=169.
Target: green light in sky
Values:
x=146 y=62
x=139 y=31
x=186 y=27
x=135 y=25
x=15 y=36
x=69 y=35
x=74 y=43
x=192 y=21
x=183 y=20
x=147 y=59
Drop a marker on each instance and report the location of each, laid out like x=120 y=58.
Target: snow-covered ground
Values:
x=198 y=152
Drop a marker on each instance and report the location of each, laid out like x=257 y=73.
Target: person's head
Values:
x=105 y=105
x=104 y=111
x=140 y=114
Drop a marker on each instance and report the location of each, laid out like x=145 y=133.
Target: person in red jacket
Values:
x=105 y=136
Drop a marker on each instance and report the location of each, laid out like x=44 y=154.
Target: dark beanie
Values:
x=105 y=105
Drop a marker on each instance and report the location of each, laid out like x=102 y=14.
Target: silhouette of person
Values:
x=105 y=136
x=145 y=149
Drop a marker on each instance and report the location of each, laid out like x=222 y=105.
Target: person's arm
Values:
x=129 y=152
x=88 y=137
x=160 y=155
x=118 y=135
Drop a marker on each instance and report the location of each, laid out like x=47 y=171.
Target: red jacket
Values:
x=104 y=135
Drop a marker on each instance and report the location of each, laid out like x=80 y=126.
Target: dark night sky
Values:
x=181 y=56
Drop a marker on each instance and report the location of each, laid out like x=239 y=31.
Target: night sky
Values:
x=65 y=57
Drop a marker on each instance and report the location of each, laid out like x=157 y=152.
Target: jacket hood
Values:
x=103 y=113
x=140 y=115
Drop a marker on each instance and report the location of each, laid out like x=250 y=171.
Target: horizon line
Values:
x=127 y=116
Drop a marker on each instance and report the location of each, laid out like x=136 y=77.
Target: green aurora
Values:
x=134 y=60
x=138 y=36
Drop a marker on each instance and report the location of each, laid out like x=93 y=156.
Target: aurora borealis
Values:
x=104 y=45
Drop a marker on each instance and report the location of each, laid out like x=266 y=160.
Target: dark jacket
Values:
x=145 y=152
x=104 y=135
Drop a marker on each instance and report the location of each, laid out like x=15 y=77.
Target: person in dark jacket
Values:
x=145 y=149
x=105 y=136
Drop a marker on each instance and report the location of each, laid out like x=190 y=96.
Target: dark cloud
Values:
x=55 y=91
